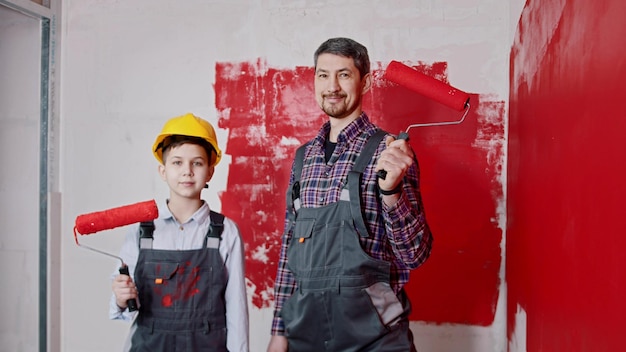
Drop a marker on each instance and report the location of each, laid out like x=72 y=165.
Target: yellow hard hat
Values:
x=187 y=125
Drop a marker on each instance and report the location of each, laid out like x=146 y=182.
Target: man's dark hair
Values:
x=346 y=47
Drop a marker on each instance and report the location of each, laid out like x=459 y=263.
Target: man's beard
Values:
x=338 y=110
x=335 y=110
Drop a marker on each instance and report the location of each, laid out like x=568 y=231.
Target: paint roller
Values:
x=429 y=87
x=115 y=217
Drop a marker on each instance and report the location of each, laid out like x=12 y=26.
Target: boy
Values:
x=188 y=264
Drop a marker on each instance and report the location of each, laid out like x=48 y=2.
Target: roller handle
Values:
x=132 y=303
x=382 y=173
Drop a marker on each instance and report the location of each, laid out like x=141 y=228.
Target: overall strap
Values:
x=146 y=229
x=214 y=233
x=217 y=225
x=293 y=193
x=354 y=180
x=368 y=151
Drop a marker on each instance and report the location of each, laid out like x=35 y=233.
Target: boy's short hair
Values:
x=177 y=140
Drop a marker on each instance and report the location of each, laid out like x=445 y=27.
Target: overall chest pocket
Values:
x=316 y=245
x=157 y=280
x=175 y=284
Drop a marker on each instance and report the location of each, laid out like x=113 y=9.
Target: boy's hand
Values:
x=124 y=289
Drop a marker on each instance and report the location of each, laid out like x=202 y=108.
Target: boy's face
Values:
x=186 y=170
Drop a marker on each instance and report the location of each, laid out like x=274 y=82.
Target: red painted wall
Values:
x=566 y=232
x=269 y=112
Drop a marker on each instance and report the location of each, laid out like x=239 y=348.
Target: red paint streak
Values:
x=567 y=161
x=192 y=288
x=180 y=270
x=262 y=107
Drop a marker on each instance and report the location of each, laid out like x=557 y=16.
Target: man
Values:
x=351 y=236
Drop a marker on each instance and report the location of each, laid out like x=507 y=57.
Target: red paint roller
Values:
x=109 y=219
x=429 y=87
x=121 y=216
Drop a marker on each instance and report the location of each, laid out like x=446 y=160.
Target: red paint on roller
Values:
x=425 y=85
x=116 y=217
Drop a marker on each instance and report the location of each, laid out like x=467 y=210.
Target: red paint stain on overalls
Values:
x=167 y=301
x=185 y=289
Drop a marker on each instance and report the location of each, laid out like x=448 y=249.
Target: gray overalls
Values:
x=181 y=295
x=343 y=300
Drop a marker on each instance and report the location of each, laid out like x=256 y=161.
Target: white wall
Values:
x=129 y=65
x=20 y=61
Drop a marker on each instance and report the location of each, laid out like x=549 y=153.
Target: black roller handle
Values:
x=382 y=173
x=132 y=303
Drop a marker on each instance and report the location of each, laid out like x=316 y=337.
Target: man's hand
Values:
x=395 y=160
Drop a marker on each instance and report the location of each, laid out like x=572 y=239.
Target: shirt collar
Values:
x=199 y=216
x=350 y=132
